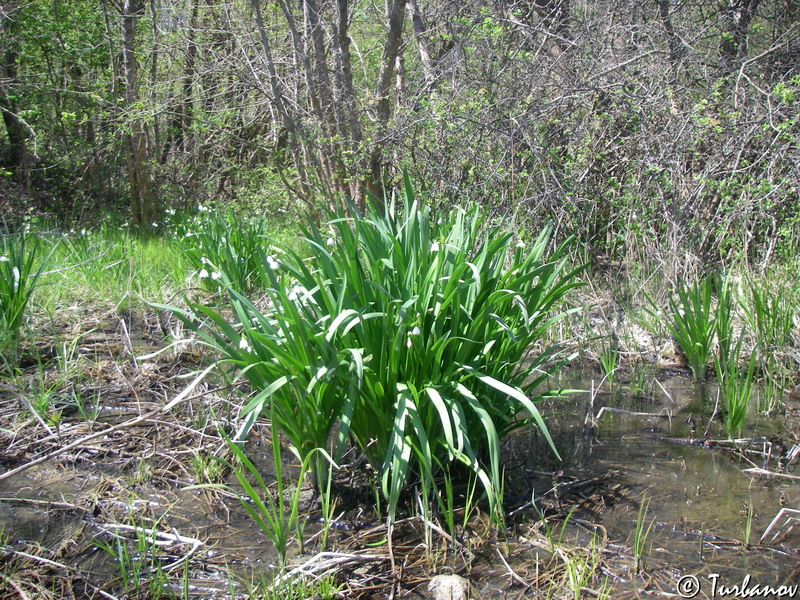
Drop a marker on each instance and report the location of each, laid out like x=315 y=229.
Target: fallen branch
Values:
x=164 y=539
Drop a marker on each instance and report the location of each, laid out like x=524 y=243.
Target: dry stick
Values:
x=182 y=397
x=622 y=411
x=48 y=503
x=36 y=415
x=324 y=562
x=784 y=512
x=168 y=539
x=16 y=587
x=767 y=473
x=511 y=572
x=48 y=563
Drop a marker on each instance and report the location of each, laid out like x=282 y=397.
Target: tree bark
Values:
x=383 y=106
x=738 y=14
x=19 y=158
x=420 y=35
x=137 y=152
x=674 y=43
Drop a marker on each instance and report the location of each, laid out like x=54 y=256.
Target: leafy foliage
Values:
x=216 y=242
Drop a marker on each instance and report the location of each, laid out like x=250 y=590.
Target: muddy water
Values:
x=699 y=497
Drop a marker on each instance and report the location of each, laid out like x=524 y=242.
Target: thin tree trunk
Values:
x=672 y=39
x=383 y=106
x=137 y=144
x=420 y=35
x=19 y=156
x=289 y=123
x=738 y=13
x=350 y=128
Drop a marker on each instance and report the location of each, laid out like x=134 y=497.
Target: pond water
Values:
x=700 y=498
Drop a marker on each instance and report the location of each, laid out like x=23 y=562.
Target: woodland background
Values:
x=646 y=127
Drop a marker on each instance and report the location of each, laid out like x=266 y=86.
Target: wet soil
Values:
x=128 y=464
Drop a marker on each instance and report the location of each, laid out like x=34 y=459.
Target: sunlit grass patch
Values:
x=114 y=268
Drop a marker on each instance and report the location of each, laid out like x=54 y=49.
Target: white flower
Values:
x=415 y=331
x=330 y=242
x=83 y=232
x=435 y=247
x=203 y=274
x=272 y=263
x=201 y=208
x=204 y=260
x=520 y=244
x=154 y=224
x=15 y=272
x=244 y=345
x=170 y=211
x=296 y=292
x=3 y=259
x=408 y=342
x=215 y=275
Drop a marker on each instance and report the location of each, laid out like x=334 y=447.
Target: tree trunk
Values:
x=421 y=37
x=384 y=90
x=675 y=48
x=738 y=14
x=143 y=209
x=349 y=126
x=19 y=158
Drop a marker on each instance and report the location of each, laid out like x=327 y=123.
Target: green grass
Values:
x=770 y=313
x=139 y=565
x=724 y=317
x=411 y=334
x=214 y=242
x=608 y=355
x=280 y=520
x=273 y=587
x=641 y=535
x=112 y=268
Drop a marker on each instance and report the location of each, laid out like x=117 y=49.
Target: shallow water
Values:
x=698 y=496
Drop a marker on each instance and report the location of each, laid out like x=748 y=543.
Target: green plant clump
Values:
x=409 y=335
x=692 y=325
x=216 y=242
x=19 y=273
